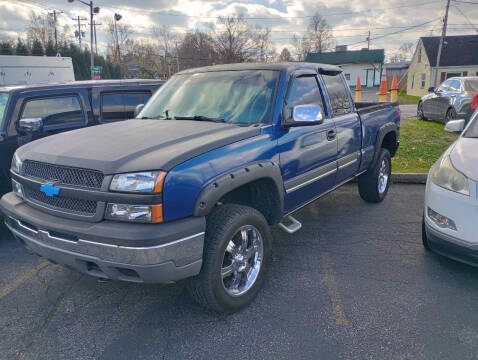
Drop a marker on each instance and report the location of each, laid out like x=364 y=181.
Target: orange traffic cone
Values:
x=382 y=92
x=358 y=90
x=394 y=89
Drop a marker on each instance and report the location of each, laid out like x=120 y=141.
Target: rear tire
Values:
x=450 y=115
x=374 y=184
x=225 y=253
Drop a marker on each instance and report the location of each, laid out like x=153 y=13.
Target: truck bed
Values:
x=365 y=107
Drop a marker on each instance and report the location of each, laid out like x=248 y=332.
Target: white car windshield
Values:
x=3 y=106
x=472 y=131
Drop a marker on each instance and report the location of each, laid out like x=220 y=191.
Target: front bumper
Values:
x=153 y=253
x=451 y=247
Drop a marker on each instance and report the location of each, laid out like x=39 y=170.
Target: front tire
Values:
x=237 y=252
x=425 y=242
x=374 y=184
x=420 y=115
x=450 y=115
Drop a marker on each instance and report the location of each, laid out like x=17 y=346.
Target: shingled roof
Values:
x=457 y=50
x=347 y=57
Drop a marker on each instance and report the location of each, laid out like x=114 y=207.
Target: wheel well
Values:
x=261 y=195
x=389 y=142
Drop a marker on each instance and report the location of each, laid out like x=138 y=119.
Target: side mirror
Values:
x=305 y=115
x=138 y=109
x=431 y=89
x=455 y=126
x=31 y=124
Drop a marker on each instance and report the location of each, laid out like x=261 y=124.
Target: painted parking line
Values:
x=331 y=281
x=9 y=288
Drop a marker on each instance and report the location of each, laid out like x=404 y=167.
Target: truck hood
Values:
x=464 y=157
x=135 y=145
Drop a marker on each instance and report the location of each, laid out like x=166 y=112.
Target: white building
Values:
x=368 y=64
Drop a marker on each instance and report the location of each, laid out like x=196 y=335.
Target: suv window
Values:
x=3 y=106
x=120 y=106
x=304 y=90
x=55 y=110
x=338 y=94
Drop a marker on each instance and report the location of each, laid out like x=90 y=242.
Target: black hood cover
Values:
x=135 y=145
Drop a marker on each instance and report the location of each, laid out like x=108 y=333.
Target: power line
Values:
x=466 y=17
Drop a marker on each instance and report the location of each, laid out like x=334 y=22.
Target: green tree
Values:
x=21 y=48
x=37 y=48
x=6 y=48
x=50 y=49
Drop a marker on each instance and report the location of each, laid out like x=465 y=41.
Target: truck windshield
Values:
x=238 y=97
x=472 y=131
x=3 y=105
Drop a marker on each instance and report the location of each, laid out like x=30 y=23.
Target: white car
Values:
x=450 y=221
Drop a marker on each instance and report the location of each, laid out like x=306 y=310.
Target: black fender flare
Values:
x=382 y=132
x=246 y=174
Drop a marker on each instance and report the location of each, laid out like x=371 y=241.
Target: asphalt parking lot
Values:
x=354 y=283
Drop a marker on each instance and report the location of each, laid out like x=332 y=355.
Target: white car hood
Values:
x=464 y=157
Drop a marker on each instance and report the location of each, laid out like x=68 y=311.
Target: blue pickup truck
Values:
x=190 y=187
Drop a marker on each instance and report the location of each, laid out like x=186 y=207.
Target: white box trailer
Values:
x=20 y=70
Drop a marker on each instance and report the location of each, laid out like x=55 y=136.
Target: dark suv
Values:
x=30 y=112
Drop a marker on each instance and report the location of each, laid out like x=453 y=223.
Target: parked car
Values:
x=451 y=197
x=451 y=100
x=190 y=188
x=31 y=112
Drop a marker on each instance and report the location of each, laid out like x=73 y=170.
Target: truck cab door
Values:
x=347 y=122
x=308 y=154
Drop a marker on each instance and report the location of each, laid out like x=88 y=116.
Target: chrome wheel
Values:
x=383 y=176
x=242 y=261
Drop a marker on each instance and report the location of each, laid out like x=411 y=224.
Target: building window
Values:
x=422 y=82
x=347 y=77
x=453 y=74
x=420 y=55
x=413 y=80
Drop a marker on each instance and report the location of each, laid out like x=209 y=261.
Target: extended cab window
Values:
x=240 y=97
x=338 y=94
x=3 y=107
x=55 y=110
x=304 y=90
x=121 y=105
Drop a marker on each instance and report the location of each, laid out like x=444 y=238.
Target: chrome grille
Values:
x=63 y=175
x=78 y=206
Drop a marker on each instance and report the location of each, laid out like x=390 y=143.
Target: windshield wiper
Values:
x=198 y=118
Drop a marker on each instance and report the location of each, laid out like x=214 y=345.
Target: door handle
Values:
x=331 y=134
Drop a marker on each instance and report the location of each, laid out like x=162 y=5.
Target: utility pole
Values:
x=54 y=12
x=368 y=40
x=442 y=38
x=177 y=55
x=79 y=20
x=94 y=31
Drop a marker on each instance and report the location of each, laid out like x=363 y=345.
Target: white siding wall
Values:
x=355 y=70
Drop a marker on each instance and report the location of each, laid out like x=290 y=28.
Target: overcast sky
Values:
x=350 y=19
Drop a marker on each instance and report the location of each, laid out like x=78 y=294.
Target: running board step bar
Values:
x=294 y=225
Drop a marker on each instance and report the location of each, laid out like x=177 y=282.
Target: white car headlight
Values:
x=142 y=182
x=446 y=176
x=16 y=164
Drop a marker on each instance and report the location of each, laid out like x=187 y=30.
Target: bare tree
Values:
x=142 y=56
x=320 y=34
x=301 y=46
x=404 y=53
x=285 y=55
x=41 y=28
x=120 y=37
x=165 y=38
x=197 y=49
x=234 y=42
x=263 y=44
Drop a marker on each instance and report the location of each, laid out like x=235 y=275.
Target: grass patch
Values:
x=404 y=98
x=421 y=144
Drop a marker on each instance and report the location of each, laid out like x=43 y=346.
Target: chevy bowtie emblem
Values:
x=50 y=190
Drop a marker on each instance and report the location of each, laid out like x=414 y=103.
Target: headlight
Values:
x=16 y=164
x=135 y=213
x=143 y=182
x=446 y=176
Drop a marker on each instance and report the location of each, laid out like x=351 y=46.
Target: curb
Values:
x=409 y=178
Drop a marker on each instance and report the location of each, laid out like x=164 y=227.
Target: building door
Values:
x=370 y=77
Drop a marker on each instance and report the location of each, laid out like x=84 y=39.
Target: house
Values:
x=459 y=57
x=368 y=64
x=401 y=70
